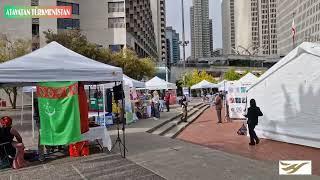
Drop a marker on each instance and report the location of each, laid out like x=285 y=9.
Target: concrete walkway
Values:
x=169 y=158
x=206 y=132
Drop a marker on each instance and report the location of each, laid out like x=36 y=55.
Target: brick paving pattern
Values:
x=205 y=131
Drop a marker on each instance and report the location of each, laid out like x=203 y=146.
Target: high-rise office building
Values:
x=158 y=8
x=307 y=22
x=249 y=27
x=128 y=24
x=228 y=27
x=173 y=47
x=264 y=24
x=110 y=23
x=211 y=37
x=200 y=36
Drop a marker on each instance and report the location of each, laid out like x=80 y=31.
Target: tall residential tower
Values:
x=200 y=29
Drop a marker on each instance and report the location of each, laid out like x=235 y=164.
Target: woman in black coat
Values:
x=253 y=114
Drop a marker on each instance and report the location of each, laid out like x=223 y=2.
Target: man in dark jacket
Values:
x=218 y=103
x=253 y=114
x=167 y=100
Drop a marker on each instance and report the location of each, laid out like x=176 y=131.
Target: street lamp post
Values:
x=183 y=43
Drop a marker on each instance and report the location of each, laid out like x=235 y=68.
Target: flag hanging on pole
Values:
x=59 y=113
x=293 y=30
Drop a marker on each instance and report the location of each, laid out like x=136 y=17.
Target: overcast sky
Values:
x=174 y=20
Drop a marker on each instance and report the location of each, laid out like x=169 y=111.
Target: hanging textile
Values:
x=84 y=108
x=59 y=113
x=109 y=100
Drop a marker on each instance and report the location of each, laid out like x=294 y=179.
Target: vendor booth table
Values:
x=98 y=134
x=55 y=63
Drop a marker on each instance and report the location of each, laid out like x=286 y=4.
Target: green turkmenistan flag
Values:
x=59 y=113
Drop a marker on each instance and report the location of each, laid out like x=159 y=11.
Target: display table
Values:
x=98 y=133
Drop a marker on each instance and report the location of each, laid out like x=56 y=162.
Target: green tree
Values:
x=77 y=42
x=133 y=66
x=127 y=59
x=232 y=75
x=197 y=76
x=11 y=50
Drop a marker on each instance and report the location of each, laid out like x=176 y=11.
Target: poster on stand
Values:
x=237 y=100
x=185 y=91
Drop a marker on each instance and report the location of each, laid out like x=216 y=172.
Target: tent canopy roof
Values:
x=304 y=48
x=204 y=84
x=157 y=84
x=249 y=78
x=132 y=82
x=54 y=62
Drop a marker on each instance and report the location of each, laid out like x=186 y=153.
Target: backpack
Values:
x=242 y=130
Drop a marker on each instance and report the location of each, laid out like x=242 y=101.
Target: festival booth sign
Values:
x=57 y=64
x=236 y=99
x=288 y=94
x=237 y=95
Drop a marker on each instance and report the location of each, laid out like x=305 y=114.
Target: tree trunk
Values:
x=13 y=100
x=15 y=93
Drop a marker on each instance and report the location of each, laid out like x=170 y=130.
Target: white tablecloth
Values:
x=97 y=133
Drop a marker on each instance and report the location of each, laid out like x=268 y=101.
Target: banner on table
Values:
x=237 y=100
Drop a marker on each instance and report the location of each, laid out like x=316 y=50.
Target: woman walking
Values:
x=253 y=114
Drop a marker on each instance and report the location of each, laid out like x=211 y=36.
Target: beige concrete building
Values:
x=265 y=11
x=158 y=8
x=111 y=23
x=249 y=27
x=125 y=24
x=200 y=29
x=33 y=29
x=307 y=22
x=242 y=23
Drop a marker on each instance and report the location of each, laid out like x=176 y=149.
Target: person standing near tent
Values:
x=167 y=100
x=253 y=114
x=156 y=103
x=218 y=103
x=37 y=120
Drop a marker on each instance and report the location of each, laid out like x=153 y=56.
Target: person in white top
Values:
x=156 y=103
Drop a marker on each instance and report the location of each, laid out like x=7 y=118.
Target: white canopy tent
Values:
x=204 y=85
x=222 y=85
x=132 y=83
x=52 y=63
x=56 y=63
x=289 y=95
x=248 y=80
x=158 y=84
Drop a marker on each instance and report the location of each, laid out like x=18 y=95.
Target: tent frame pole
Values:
x=32 y=113
x=22 y=107
x=104 y=105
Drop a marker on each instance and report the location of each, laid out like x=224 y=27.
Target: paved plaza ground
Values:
x=205 y=131
x=157 y=157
